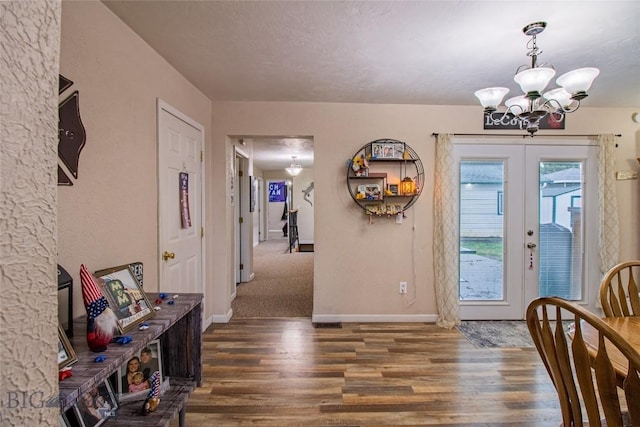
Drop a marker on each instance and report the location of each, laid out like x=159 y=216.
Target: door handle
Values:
x=168 y=255
x=530 y=245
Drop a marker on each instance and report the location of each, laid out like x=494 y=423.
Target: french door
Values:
x=527 y=225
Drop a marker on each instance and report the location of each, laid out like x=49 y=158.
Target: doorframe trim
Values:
x=246 y=245
x=160 y=106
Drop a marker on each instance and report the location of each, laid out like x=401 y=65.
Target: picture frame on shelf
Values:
x=372 y=192
x=398 y=151
x=66 y=354
x=377 y=150
x=125 y=295
x=96 y=405
x=133 y=375
x=388 y=151
x=393 y=189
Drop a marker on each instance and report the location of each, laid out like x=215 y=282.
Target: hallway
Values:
x=283 y=283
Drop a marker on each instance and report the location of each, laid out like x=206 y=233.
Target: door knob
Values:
x=168 y=255
x=530 y=245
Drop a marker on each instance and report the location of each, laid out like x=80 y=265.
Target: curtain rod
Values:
x=522 y=135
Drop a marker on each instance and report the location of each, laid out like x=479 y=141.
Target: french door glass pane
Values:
x=481 y=230
x=561 y=247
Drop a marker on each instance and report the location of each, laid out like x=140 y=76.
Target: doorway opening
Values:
x=273 y=202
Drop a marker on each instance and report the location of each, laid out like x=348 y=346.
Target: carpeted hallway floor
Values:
x=283 y=283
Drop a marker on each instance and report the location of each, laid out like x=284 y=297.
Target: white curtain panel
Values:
x=608 y=204
x=445 y=234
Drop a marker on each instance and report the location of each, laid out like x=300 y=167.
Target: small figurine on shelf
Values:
x=153 y=398
x=101 y=320
x=360 y=165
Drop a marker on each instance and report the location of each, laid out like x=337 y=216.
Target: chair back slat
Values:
x=583 y=374
x=631 y=388
x=633 y=290
x=607 y=385
x=619 y=290
x=622 y=309
x=584 y=381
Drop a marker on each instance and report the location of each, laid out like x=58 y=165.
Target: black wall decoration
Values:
x=63 y=178
x=71 y=133
x=63 y=83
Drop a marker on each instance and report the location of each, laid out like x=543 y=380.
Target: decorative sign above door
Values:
x=71 y=133
x=509 y=122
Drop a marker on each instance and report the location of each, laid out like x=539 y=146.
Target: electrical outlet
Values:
x=403 y=287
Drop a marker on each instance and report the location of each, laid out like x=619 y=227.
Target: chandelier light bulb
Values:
x=578 y=82
x=534 y=80
x=517 y=105
x=561 y=96
x=294 y=169
x=491 y=97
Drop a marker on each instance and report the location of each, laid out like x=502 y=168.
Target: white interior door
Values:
x=524 y=211
x=180 y=147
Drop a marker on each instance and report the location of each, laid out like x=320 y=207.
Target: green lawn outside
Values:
x=489 y=249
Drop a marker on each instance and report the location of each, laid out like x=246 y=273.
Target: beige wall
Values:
x=109 y=216
x=357 y=265
x=29 y=132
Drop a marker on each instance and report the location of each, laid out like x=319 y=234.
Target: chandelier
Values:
x=529 y=108
x=295 y=168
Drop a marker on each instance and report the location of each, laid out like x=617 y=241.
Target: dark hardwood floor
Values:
x=285 y=372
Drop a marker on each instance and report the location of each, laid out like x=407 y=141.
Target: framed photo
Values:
x=393 y=188
x=381 y=150
x=66 y=355
x=125 y=295
x=372 y=192
x=97 y=405
x=398 y=151
x=133 y=376
x=377 y=150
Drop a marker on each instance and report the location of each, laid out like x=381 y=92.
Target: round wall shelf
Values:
x=385 y=177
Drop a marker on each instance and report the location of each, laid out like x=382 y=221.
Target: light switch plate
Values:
x=620 y=175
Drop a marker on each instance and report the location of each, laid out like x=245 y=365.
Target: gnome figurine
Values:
x=101 y=320
x=153 y=398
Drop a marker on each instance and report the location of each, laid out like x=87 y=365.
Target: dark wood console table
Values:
x=179 y=327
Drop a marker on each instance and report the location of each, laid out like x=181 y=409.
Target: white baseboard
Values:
x=219 y=318
x=372 y=318
x=346 y=318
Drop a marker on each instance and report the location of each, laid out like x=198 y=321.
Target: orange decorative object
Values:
x=407 y=186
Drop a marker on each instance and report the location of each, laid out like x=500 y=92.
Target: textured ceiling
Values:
x=392 y=52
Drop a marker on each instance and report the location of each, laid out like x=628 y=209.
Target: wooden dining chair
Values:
x=584 y=384
x=619 y=290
